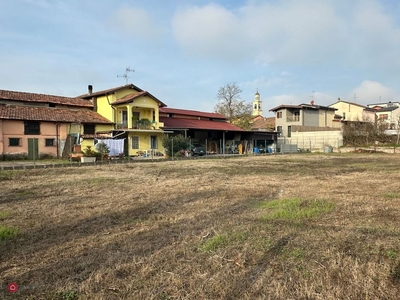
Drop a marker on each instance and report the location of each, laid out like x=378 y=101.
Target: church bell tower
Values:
x=257 y=110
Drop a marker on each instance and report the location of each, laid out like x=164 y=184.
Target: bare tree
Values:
x=230 y=105
x=364 y=132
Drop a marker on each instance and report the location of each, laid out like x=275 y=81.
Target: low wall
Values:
x=314 y=140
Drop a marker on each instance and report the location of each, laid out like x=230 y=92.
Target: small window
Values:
x=32 y=128
x=49 y=142
x=13 y=142
x=279 y=114
x=289 y=131
x=135 y=142
x=89 y=129
x=279 y=129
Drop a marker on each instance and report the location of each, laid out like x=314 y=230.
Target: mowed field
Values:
x=303 y=226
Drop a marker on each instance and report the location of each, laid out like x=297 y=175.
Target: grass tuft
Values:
x=296 y=209
x=220 y=241
x=67 y=295
x=7 y=232
x=4 y=214
x=392 y=195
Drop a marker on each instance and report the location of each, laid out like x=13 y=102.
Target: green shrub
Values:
x=46 y=156
x=15 y=156
x=175 y=143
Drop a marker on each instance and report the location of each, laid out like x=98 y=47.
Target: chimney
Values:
x=90 y=89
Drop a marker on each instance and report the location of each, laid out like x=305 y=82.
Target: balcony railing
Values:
x=293 y=119
x=138 y=124
x=122 y=125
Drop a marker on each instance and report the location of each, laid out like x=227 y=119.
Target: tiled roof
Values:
x=31 y=113
x=42 y=98
x=110 y=91
x=180 y=123
x=388 y=108
x=129 y=98
x=96 y=136
x=191 y=113
x=264 y=123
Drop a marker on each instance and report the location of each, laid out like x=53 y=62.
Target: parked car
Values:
x=197 y=150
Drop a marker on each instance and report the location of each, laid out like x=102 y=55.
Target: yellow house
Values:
x=135 y=113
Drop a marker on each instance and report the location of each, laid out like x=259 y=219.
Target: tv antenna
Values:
x=128 y=69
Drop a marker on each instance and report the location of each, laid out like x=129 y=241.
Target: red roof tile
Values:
x=42 y=98
x=180 y=123
x=31 y=113
x=191 y=113
x=264 y=123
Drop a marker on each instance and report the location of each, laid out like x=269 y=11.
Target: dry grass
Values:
x=267 y=227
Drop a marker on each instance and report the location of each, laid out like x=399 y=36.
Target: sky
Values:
x=183 y=51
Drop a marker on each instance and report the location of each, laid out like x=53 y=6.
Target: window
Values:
x=135 y=142
x=289 y=131
x=49 y=142
x=14 y=142
x=296 y=116
x=32 y=128
x=89 y=129
x=124 y=118
x=279 y=129
x=279 y=114
x=384 y=117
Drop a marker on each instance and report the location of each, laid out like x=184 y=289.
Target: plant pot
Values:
x=88 y=159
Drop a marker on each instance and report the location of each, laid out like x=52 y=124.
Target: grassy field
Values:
x=305 y=226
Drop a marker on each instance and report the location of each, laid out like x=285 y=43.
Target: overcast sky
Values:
x=183 y=51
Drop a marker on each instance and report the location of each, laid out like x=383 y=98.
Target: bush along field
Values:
x=301 y=226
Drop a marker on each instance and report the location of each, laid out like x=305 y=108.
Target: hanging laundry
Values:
x=116 y=147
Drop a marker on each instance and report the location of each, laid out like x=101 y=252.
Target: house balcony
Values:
x=143 y=124
x=293 y=119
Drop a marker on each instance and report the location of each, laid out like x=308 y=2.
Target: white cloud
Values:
x=292 y=32
x=369 y=92
x=274 y=101
x=210 y=31
x=136 y=22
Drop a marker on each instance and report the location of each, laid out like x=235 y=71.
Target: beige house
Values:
x=303 y=117
x=350 y=111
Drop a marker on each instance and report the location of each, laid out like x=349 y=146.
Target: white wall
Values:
x=316 y=140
